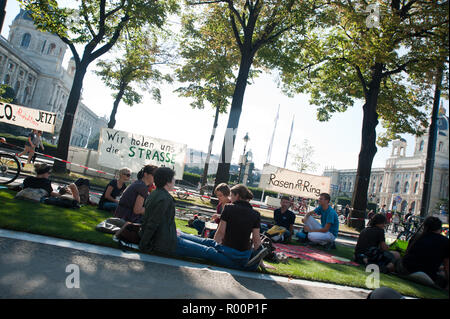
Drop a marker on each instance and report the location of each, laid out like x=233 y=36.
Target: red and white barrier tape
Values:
x=64 y=161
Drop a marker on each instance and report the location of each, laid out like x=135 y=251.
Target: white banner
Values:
x=118 y=149
x=27 y=117
x=293 y=183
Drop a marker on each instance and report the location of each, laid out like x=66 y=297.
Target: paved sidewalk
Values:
x=33 y=266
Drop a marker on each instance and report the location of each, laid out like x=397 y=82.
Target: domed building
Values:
x=399 y=185
x=31 y=62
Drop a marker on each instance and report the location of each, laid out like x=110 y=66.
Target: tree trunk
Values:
x=367 y=152
x=223 y=169
x=431 y=149
x=211 y=140
x=112 y=118
x=62 y=149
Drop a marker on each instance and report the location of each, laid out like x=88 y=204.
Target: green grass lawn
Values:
x=79 y=225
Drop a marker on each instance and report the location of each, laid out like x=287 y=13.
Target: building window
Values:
x=379 y=187
x=51 y=49
x=397 y=187
x=406 y=188
x=421 y=146
x=25 y=40
x=440 y=147
x=416 y=184
x=373 y=188
x=43 y=46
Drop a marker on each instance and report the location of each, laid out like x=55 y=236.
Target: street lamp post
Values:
x=246 y=139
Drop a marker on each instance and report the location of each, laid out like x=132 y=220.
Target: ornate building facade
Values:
x=31 y=62
x=399 y=185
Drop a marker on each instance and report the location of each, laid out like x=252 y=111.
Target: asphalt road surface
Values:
x=38 y=270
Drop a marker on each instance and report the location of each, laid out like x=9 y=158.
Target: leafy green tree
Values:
x=257 y=28
x=302 y=157
x=140 y=52
x=208 y=68
x=7 y=94
x=366 y=53
x=97 y=25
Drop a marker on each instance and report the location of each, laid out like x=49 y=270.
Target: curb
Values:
x=114 y=252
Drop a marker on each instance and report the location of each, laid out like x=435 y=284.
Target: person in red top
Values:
x=222 y=192
x=388 y=218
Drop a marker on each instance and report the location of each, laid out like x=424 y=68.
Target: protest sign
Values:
x=118 y=149
x=27 y=117
x=293 y=183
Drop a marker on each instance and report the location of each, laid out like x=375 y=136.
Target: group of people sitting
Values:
x=427 y=252
x=237 y=243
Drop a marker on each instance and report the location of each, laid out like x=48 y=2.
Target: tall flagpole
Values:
x=269 y=153
x=289 y=142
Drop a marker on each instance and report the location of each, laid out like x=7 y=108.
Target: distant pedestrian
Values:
x=388 y=219
x=29 y=146
x=383 y=210
x=396 y=221
x=347 y=211
x=38 y=143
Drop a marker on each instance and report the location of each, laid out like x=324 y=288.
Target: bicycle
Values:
x=10 y=166
x=184 y=193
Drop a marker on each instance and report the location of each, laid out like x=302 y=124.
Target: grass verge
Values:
x=79 y=225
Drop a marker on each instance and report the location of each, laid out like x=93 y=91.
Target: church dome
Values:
x=24 y=15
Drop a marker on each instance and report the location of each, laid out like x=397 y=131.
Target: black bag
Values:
x=130 y=234
x=267 y=243
x=61 y=202
x=376 y=256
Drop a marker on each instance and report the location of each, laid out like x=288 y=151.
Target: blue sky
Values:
x=336 y=142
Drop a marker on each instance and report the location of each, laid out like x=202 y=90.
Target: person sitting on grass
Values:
x=42 y=181
x=427 y=253
x=371 y=247
x=222 y=192
x=131 y=204
x=231 y=244
x=114 y=189
x=285 y=218
x=326 y=232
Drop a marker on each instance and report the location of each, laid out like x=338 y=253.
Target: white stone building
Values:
x=399 y=184
x=31 y=62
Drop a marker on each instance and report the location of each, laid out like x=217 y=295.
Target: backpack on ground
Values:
x=267 y=243
x=83 y=190
x=33 y=194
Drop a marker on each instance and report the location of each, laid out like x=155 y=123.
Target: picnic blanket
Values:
x=308 y=253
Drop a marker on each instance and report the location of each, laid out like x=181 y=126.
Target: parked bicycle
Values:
x=9 y=166
x=184 y=193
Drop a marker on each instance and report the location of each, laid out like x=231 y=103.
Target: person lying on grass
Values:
x=371 y=247
x=42 y=181
x=231 y=247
